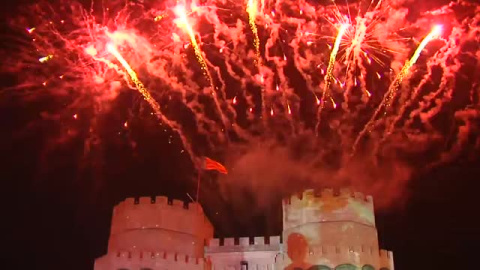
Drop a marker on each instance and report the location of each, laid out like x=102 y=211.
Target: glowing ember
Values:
x=45 y=58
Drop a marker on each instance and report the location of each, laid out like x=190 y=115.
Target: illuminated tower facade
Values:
x=326 y=230
x=155 y=233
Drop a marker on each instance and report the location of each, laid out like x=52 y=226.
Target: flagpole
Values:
x=198 y=185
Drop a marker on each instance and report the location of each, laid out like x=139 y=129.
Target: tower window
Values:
x=244 y=265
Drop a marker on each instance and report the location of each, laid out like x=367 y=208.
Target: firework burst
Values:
x=86 y=57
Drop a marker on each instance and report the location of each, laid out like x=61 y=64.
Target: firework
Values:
x=436 y=31
x=133 y=75
x=390 y=94
x=64 y=57
x=252 y=9
x=329 y=76
x=182 y=22
x=148 y=97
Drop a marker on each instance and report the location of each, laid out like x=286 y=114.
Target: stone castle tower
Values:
x=324 y=230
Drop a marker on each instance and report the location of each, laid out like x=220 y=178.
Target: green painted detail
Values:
x=368 y=267
x=363 y=211
x=319 y=267
x=346 y=266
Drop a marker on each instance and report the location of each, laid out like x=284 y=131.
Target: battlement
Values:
x=167 y=256
x=328 y=193
x=158 y=200
x=333 y=256
x=328 y=205
x=160 y=213
x=151 y=260
x=243 y=244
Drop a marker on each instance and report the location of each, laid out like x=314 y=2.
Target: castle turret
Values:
x=157 y=231
x=331 y=229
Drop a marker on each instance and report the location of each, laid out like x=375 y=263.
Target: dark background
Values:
x=57 y=215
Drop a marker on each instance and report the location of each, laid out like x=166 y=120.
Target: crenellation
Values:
x=215 y=242
x=161 y=200
x=326 y=192
x=259 y=240
x=369 y=199
x=274 y=240
x=244 y=241
x=129 y=201
x=346 y=192
x=383 y=253
x=296 y=198
x=359 y=196
x=228 y=242
x=178 y=203
x=194 y=206
x=312 y=195
x=308 y=194
x=145 y=200
x=158 y=200
x=386 y=254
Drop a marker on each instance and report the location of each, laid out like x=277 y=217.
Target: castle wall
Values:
x=159 y=225
x=257 y=253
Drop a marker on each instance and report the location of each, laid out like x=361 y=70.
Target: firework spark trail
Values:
x=353 y=57
x=205 y=126
x=151 y=101
x=252 y=9
x=232 y=36
x=406 y=68
x=329 y=75
x=440 y=59
x=183 y=23
x=390 y=94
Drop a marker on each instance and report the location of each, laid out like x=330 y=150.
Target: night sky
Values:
x=58 y=203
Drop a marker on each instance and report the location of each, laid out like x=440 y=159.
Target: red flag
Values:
x=211 y=164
